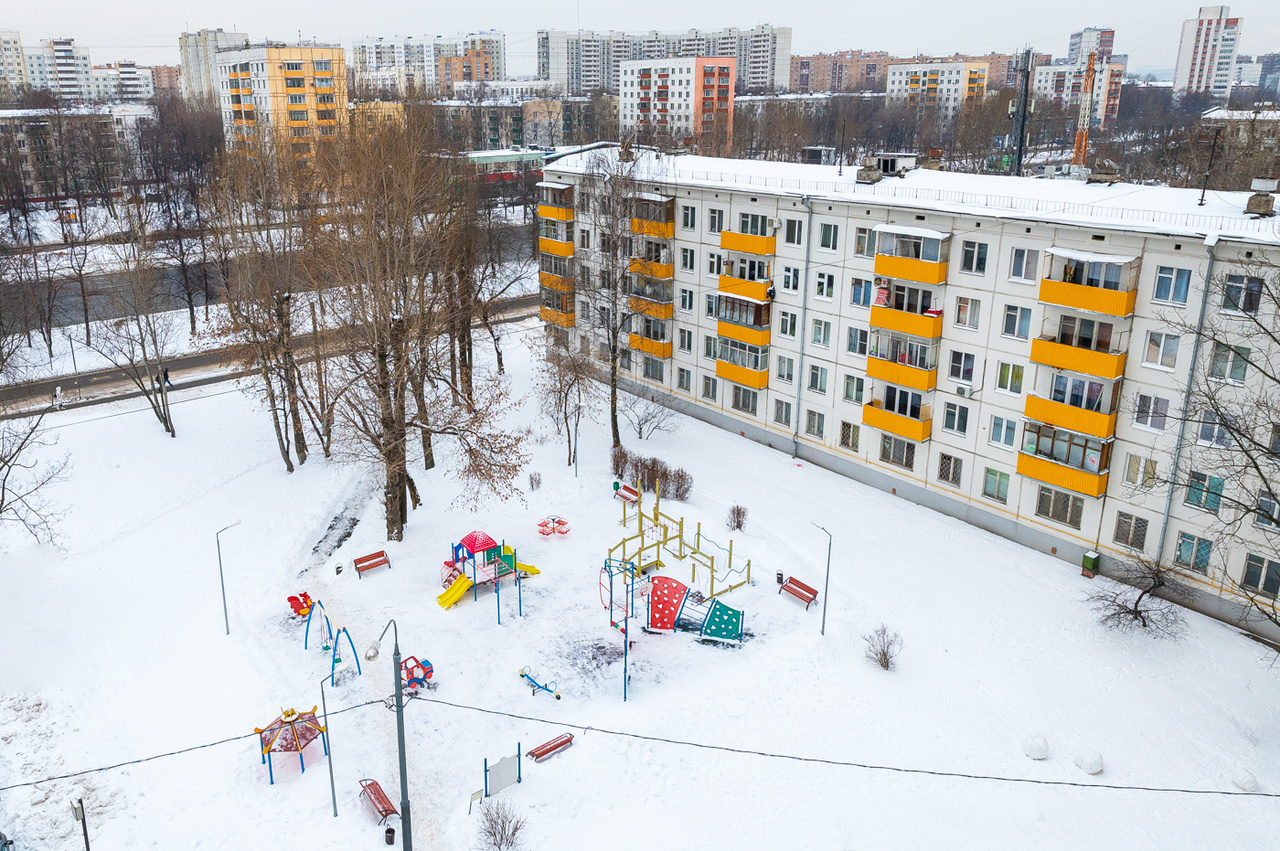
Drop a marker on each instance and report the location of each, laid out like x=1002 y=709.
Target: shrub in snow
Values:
x=1035 y=747
x=1145 y=599
x=680 y=486
x=1090 y=762
x=535 y=481
x=1244 y=780
x=737 y=518
x=883 y=646
x=620 y=462
x=500 y=826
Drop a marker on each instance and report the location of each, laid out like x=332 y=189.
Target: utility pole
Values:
x=1021 y=109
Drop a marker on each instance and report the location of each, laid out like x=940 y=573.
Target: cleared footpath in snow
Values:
x=114 y=649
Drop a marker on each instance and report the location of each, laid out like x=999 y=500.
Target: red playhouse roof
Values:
x=291 y=732
x=478 y=542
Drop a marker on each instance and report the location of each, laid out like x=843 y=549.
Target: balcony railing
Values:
x=757 y=379
x=903 y=374
x=746 y=243
x=1062 y=476
x=875 y=416
x=926 y=325
x=1118 y=303
x=1047 y=351
x=1069 y=417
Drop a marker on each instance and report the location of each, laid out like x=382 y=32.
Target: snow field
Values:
x=115 y=650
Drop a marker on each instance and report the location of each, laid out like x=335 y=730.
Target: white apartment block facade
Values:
x=944 y=86
x=1207 y=52
x=679 y=97
x=200 y=59
x=586 y=62
x=394 y=65
x=13 y=64
x=1063 y=85
x=121 y=81
x=997 y=349
x=61 y=67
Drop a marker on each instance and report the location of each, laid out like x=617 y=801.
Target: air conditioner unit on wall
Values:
x=964 y=391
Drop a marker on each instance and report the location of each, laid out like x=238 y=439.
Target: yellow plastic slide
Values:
x=527 y=568
x=454 y=592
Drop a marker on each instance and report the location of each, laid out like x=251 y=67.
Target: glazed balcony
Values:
x=911 y=269
x=743 y=288
x=1047 y=351
x=1061 y=476
x=752 y=335
x=1069 y=417
x=875 y=416
x=926 y=325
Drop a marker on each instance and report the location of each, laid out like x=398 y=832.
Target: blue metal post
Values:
x=519 y=756
x=486 y=777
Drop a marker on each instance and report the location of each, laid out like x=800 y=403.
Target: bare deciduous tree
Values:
x=500 y=826
x=647 y=416
x=883 y=646
x=1145 y=599
x=566 y=380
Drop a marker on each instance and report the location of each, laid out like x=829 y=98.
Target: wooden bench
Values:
x=372 y=792
x=626 y=493
x=799 y=590
x=551 y=748
x=369 y=562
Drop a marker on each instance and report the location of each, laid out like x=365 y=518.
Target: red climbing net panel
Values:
x=664 y=602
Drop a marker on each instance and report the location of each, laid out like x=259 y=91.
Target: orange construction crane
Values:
x=1081 y=150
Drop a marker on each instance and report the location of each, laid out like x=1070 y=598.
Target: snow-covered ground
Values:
x=114 y=649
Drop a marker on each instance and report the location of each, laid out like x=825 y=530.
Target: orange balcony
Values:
x=655 y=309
x=1062 y=476
x=741 y=287
x=1070 y=417
x=657 y=230
x=650 y=269
x=555 y=317
x=746 y=243
x=756 y=379
x=743 y=333
x=650 y=347
x=902 y=374
x=875 y=416
x=556 y=282
x=559 y=214
x=1048 y=352
x=556 y=247
x=911 y=269
x=1091 y=299
x=915 y=324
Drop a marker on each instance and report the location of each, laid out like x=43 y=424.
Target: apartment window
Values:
x=688 y=217
x=1010 y=378
x=1162 y=349
x=685 y=338
x=795 y=230
x=322 y=65
x=1140 y=471
x=584 y=238
x=973 y=257
x=849 y=436
x=995 y=485
x=709 y=347
x=1017 y=321
x=297 y=115
x=955 y=418
x=1265 y=513
x=293 y=66
x=826 y=285
x=858 y=341
x=324 y=99
x=790 y=278
x=686 y=300
x=896 y=451
x=821 y=333
x=1260 y=575
x=1130 y=531
x=1025 y=265
x=864 y=242
x=1060 y=506
x=687 y=259
x=1229 y=363
x=814 y=422
x=713 y=305
x=753 y=224
x=715 y=221
x=293 y=100
x=967 y=310
x=786 y=369
x=1242 y=295
x=818 y=379
x=853 y=389
x=1152 y=412
x=1194 y=553
x=295 y=82
x=786 y=323
x=1004 y=430
x=860 y=293
x=709 y=387
x=830 y=237
x=1214 y=430
x=300 y=132
x=1172 y=284
x=1204 y=491
x=715 y=263
x=949 y=467
x=624 y=359
x=744 y=400
x=962 y=367
x=324 y=82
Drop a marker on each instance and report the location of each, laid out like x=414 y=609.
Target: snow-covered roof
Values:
x=1219 y=113
x=910 y=231
x=547 y=184
x=1116 y=206
x=1088 y=256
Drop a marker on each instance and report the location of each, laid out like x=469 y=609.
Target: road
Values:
x=192 y=370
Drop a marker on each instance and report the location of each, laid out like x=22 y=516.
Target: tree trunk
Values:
x=613 y=392
x=281 y=441
x=84 y=304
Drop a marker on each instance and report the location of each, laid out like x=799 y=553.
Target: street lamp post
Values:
x=226 y=622
x=827 y=584
x=324 y=708
x=371 y=654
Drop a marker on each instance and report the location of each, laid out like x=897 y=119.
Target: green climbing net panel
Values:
x=723 y=622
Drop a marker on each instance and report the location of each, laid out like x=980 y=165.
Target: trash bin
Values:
x=779 y=577
x=391 y=836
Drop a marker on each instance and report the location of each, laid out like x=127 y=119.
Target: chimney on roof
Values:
x=1262 y=202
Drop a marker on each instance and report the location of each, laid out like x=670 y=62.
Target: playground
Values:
x=521 y=624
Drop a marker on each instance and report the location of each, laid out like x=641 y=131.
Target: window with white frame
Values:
x=822 y=333
x=715 y=221
x=1265 y=512
x=1214 y=429
x=1151 y=412
x=1162 y=350
x=818 y=379
x=949 y=467
x=1242 y=294
x=685 y=339
x=849 y=436
x=896 y=451
x=782 y=412
x=860 y=292
x=1131 y=531
x=786 y=369
x=967 y=310
x=962 y=366
x=830 y=236
x=973 y=257
x=786 y=323
x=955 y=418
x=1060 y=506
x=1009 y=378
x=814 y=423
x=995 y=485
x=684 y=379
x=1025 y=265
x=688 y=217
x=687 y=259
x=745 y=399
x=1017 y=321
x=857 y=344
x=790 y=278
x=709 y=387
x=1172 y=285
x=1204 y=491
x=709 y=347
x=1140 y=471
x=753 y=224
x=853 y=385
x=1193 y=552
x=864 y=242
x=1229 y=363
x=1261 y=575
x=825 y=287
x=1004 y=431
x=686 y=300
x=653 y=368
x=795 y=232
x=715 y=263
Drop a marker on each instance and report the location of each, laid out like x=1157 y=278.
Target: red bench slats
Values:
x=550 y=748
x=369 y=562
x=378 y=799
x=627 y=493
x=799 y=590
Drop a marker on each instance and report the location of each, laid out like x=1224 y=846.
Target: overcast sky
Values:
x=147 y=30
